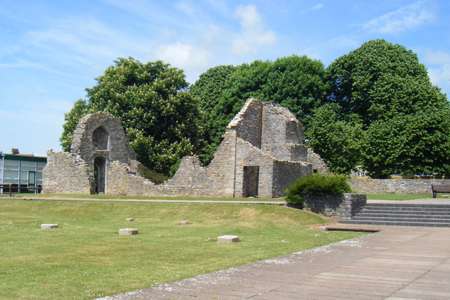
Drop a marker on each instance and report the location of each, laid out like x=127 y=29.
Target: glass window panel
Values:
x=24 y=181
x=38 y=175
x=26 y=168
x=9 y=181
x=10 y=174
x=28 y=163
x=41 y=164
x=24 y=175
x=11 y=162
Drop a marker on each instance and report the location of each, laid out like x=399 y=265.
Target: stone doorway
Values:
x=99 y=174
x=251 y=181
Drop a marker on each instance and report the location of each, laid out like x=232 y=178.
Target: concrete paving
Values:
x=395 y=263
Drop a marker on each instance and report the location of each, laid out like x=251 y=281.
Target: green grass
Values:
x=401 y=196
x=141 y=197
x=86 y=258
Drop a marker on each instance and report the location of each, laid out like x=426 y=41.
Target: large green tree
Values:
x=380 y=85
x=156 y=110
x=208 y=89
x=295 y=82
x=379 y=80
x=412 y=144
x=335 y=140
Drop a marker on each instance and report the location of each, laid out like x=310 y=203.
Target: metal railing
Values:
x=10 y=187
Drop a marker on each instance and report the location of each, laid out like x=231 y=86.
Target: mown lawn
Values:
x=101 y=197
x=86 y=258
x=402 y=196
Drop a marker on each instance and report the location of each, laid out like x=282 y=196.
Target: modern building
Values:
x=21 y=170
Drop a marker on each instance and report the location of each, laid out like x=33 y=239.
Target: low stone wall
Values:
x=398 y=186
x=342 y=206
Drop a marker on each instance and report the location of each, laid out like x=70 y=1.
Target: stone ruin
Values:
x=261 y=154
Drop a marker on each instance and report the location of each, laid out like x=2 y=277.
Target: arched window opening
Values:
x=100 y=138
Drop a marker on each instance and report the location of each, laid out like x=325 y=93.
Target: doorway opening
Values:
x=100 y=174
x=251 y=181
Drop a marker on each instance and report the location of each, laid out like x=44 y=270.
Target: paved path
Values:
x=396 y=263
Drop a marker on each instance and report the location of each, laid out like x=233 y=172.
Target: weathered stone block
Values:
x=184 y=222
x=228 y=239
x=128 y=231
x=343 y=206
x=49 y=226
x=129 y=219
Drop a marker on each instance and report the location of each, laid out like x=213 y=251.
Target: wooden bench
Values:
x=442 y=188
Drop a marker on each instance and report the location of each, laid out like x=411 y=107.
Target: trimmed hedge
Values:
x=316 y=184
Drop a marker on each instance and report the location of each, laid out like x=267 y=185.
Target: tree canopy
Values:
x=295 y=82
x=384 y=91
x=156 y=110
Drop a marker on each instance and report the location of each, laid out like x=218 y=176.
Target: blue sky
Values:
x=51 y=50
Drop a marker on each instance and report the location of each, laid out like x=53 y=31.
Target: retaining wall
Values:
x=343 y=206
x=398 y=186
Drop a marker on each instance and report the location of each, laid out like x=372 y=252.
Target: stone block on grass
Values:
x=128 y=231
x=184 y=222
x=228 y=239
x=49 y=226
x=129 y=219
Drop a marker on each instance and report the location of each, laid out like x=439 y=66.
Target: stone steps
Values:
x=435 y=215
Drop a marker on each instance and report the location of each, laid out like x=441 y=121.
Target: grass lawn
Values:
x=402 y=196
x=86 y=258
x=143 y=197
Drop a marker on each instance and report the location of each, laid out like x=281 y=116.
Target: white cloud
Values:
x=440 y=76
x=318 y=6
x=436 y=57
x=184 y=56
x=439 y=61
x=405 y=18
x=253 y=34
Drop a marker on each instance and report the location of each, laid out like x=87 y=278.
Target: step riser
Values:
x=398 y=223
x=404 y=220
x=375 y=212
x=402 y=215
x=419 y=216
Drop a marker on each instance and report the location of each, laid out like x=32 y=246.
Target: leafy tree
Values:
x=295 y=82
x=410 y=144
x=379 y=80
x=388 y=90
x=337 y=141
x=151 y=100
x=208 y=89
x=79 y=110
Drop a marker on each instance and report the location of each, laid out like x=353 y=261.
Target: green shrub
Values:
x=316 y=184
x=151 y=175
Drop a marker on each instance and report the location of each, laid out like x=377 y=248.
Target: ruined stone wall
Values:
x=190 y=173
x=248 y=122
x=221 y=171
x=285 y=173
x=398 y=186
x=88 y=139
x=282 y=134
x=250 y=156
x=123 y=182
x=66 y=173
x=317 y=162
x=260 y=155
